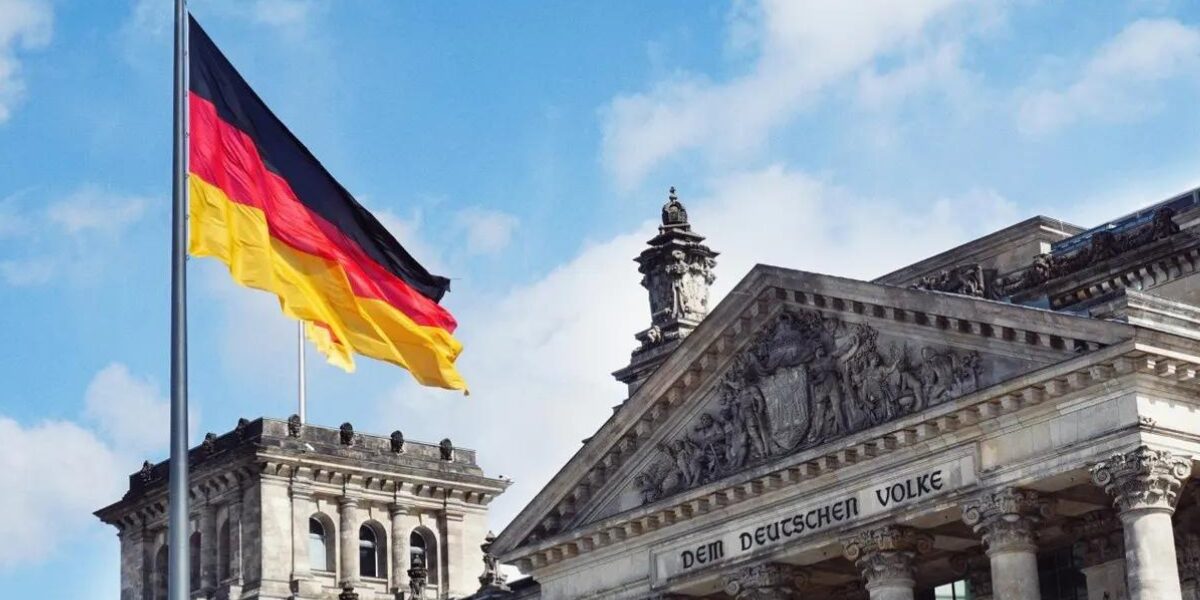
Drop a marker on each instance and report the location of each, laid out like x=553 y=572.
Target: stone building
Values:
x=1014 y=418
x=285 y=510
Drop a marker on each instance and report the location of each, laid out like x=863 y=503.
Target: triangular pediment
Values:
x=787 y=363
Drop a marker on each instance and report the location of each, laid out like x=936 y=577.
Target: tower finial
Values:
x=673 y=212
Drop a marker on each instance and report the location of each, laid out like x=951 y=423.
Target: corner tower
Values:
x=677 y=270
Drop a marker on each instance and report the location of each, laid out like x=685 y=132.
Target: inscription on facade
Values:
x=792 y=523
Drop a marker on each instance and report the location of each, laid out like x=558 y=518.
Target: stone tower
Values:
x=284 y=510
x=677 y=270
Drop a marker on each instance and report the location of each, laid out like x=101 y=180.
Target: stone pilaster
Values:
x=348 y=544
x=886 y=556
x=772 y=581
x=1144 y=484
x=399 y=549
x=1007 y=520
x=235 y=543
x=208 y=549
x=976 y=568
x=302 y=509
x=136 y=561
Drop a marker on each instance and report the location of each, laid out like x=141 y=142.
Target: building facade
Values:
x=287 y=510
x=1015 y=418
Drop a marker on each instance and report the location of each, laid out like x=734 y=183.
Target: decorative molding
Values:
x=806 y=379
x=771 y=581
x=1143 y=479
x=1007 y=519
x=965 y=280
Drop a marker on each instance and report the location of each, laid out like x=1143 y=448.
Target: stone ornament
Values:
x=146 y=473
x=492 y=578
x=397 y=442
x=294 y=426
x=1143 y=478
x=348 y=593
x=1007 y=519
x=346 y=434
x=446 y=448
x=677 y=270
x=967 y=280
x=240 y=431
x=770 y=581
x=417 y=577
x=805 y=380
x=885 y=554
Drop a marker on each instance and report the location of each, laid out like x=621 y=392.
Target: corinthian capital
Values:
x=772 y=581
x=1143 y=478
x=1007 y=519
x=885 y=554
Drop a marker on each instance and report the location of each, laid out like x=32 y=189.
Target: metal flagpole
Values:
x=302 y=395
x=178 y=570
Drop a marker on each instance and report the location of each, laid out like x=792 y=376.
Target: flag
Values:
x=263 y=205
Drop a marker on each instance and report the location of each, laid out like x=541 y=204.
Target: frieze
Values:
x=807 y=379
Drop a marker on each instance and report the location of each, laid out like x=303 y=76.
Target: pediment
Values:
x=790 y=362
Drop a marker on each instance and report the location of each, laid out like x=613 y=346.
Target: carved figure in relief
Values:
x=805 y=380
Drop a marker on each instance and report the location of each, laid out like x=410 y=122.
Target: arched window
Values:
x=223 y=551
x=422 y=546
x=372 y=553
x=320 y=555
x=194 y=546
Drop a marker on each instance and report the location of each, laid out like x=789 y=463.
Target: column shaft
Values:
x=348 y=551
x=208 y=547
x=399 y=548
x=1150 y=559
x=1007 y=519
x=235 y=539
x=1014 y=575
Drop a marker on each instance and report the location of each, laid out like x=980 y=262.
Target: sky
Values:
x=524 y=150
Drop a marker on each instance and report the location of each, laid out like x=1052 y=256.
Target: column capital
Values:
x=1100 y=533
x=348 y=501
x=1007 y=518
x=769 y=581
x=396 y=509
x=885 y=554
x=1143 y=478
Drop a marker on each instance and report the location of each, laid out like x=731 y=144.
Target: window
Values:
x=318 y=545
x=952 y=591
x=372 y=555
x=160 y=573
x=223 y=551
x=422 y=546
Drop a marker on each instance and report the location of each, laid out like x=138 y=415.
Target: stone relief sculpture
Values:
x=805 y=380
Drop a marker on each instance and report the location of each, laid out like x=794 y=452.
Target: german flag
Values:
x=262 y=204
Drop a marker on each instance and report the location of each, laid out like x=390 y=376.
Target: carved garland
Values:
x=805 y=380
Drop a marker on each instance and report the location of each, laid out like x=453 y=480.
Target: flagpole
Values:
x=178 y=569
x=300 y=372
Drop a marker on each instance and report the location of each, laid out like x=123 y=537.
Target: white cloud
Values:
x=282 y=13
x=54 y=474
x=1119 y=80
x=130 y=411
x=24 y=25
x=938 y=69
x=542 y=353
x=93 y=209
x=487 y=231
x=802 y=48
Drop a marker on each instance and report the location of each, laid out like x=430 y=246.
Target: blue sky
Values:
x=522 y=149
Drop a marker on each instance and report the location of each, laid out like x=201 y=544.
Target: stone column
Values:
x=772 y=581
x=1008 y=519
x=208 y=548
x=234 y=516
x=135 y=566
x=886 y=556
x=1144 y=484
x=1100 y=537
x=302 y=509
x=348 y=542
x=398 y=513
x=976 y=568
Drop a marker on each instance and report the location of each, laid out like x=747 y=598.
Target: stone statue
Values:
x=806 y=379
x=491 y=578
x=447 y=449
x=417 y=577
x=346 y=434
x=294 y=426
x=397 y=442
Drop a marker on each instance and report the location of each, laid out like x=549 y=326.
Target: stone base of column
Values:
x=306 y=587
x=1106 y=581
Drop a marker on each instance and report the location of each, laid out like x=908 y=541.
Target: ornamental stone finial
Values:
x=1143 y=479
x=766 y=582
x=1007 y=518
x=673 y=212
